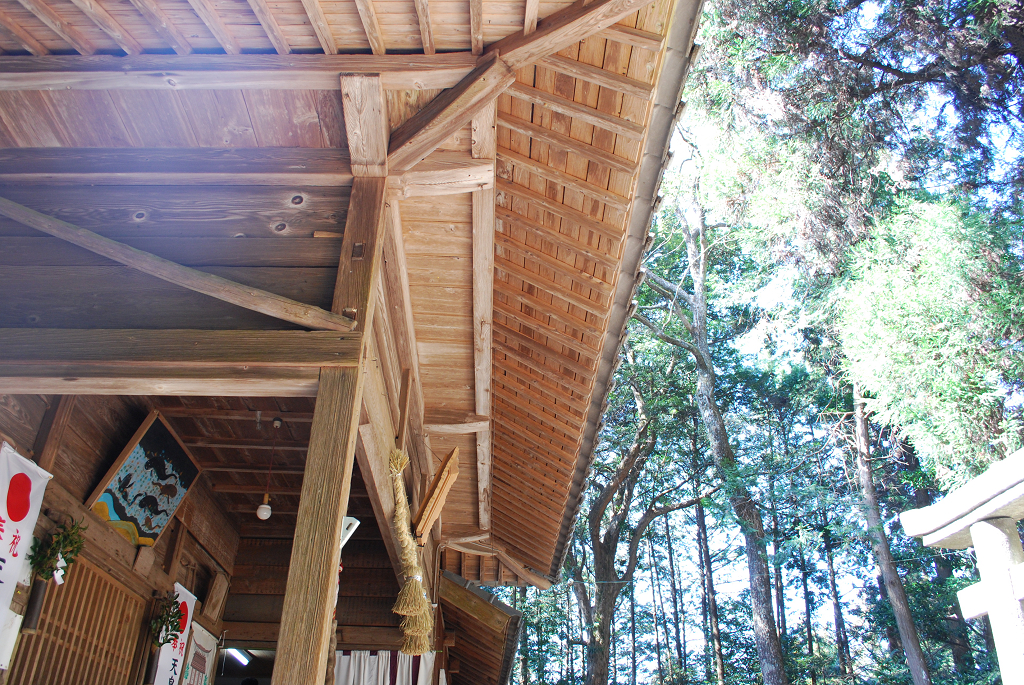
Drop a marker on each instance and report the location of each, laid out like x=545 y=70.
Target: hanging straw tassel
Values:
x=416 y=644
x=410 y=599
x=419 y=624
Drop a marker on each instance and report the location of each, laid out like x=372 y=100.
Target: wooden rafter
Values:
x=550 y=234
x=561 y=141
x=59 y=25
x=447 y=113
x=582 y=186
x=436 y=494
x=530 y=16
x=598 y=76
x=211 y=72
x=371 y=26
x=562 y=29
x=26 y=39
x=611 y=233
x=576 y=110
x=628 y=35
x=220 y=288
x=476 y=26
x=315 y=13
x=208 y=13
x=162 y=24
x=269 y=23
x=109 y=25
x=513 y=246
x=426 y=30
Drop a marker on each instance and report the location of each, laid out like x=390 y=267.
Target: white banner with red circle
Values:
x=22 y=484
x=172 y=655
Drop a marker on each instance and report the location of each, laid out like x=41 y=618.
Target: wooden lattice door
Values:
x=88 y=632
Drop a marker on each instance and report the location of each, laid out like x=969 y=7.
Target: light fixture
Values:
x=242 y=657
x=263 y=511
x=348 y=528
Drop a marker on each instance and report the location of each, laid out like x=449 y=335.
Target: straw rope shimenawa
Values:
x=418 y=622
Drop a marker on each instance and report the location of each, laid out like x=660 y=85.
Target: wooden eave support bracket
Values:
x=436 y=495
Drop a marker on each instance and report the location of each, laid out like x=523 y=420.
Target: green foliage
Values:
x=66 y=541
x=166 y=623
x=931 y=323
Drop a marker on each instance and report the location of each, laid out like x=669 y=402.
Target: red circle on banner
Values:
x=19 y=491
x=184 y=618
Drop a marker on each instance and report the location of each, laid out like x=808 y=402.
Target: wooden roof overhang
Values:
x=520 y=174
x=481 y=633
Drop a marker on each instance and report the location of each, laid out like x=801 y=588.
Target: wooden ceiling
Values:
x=232 y=157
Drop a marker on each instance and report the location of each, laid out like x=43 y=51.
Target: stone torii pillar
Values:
x=983 y=514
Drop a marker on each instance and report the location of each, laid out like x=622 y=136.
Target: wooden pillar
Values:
x=311 y=593
x=999 y=551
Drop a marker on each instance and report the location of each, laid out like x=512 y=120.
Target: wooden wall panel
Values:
x=20 y=416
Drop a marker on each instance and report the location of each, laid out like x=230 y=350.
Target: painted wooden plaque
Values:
x=146 y=483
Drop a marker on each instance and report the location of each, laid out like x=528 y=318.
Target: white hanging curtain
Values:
x=366 y=668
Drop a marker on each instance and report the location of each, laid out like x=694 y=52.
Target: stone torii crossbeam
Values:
x=983 y=514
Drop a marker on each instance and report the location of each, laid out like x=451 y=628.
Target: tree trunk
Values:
x=657 y=639
x=675 y=593
x=705 y=622
x=632 y=636
x=808 y=608
x=780 y=586
x=842 y=643
x=600 y=629
x=709 y=593
x=524 y=644
x=880 y=545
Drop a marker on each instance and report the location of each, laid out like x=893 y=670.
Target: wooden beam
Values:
x=218 y=467
x=426 y=30
x=562 y=29
x=598 y=76
x=492 y=617
x=579 y=185
x=269 y=23
x=359 y=269
x=480 y=425
x=158 y=349
x=349 y=637
x=162 y=24
x=373 y=467
x=59 y=25
x=612 y=233
x=168 y=166
x=26 y=39
x=447 y=113
x=476 y=26
x=631 y=36
x=313 y=572
x=436 y=494
x=51 y=432
x=368 y=17
x=109 y=25
x=530 y=16
x=207 y=11
x=404 y=400
x=211 y=72
x=219 y=288
x=119 y=379
x=366 y=124
x=245 y=444
x=322 y=28
x=564 y=142
x=529 y=575
x=231 y=488
x=585 y=114
x=235 y=414
x=444 y=172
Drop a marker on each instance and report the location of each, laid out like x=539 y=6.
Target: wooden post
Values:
x=999 y=551
x=312 y=590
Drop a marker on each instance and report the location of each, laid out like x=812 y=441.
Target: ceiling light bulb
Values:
x=263 y=510
x=243 y=657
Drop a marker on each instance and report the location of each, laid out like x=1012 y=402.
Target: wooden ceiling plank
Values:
x=542 y=431
x=60 y=26
x=217 y=467
x=234 y=414
x=547 y=373
x=447 y=113
x=542 y=414
x=598 y=76
x=576 y=110
x=632 y=36
x=168 y=166
x=182 y=348
x=366 y=124
x=247 y=72
x=584 y=372
x=609 y=232
x=322 y=28
x=546 y=329
x=536 y=280
x=269 y=23
x=371 y=26
x=235 y=489
x=113 y=379
x=214 y=286
x=541 y=387
x=426 y=30
x=562 y=29
x=26 y=39
x=506 y=242
x=162 y=24
x=570 y=182
x=551 y=235
x=244 y=444
x=207 y=11
x=476 y=26
x=109 y=25
x=555 y=311
x=564 y=142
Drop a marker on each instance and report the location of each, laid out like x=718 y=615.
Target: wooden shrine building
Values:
x=388 y=223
